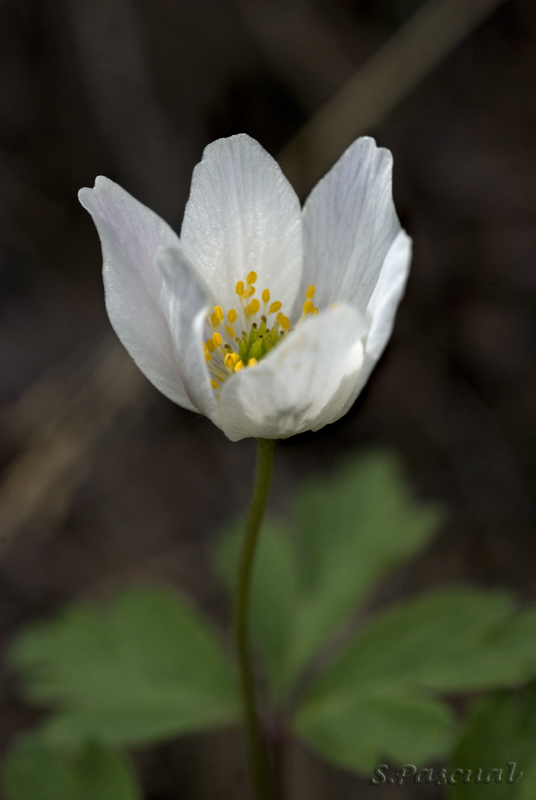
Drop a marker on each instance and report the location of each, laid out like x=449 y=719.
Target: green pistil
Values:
x=258 y=342
x=257 y=350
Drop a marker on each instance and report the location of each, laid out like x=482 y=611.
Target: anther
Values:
x=215 y=320
x=266 y=296
x=238 y=366
x=251 y=291
x=314 y=310
x=285 y=322
x=210 y=345
x=240 y=287
x=310 y=293
x=274 y=307
x=230 y=360
x=230 y=331
x=251 y=278
x=252 y=362
x=218 y=310
x=254 y=306
x=208 y=357
x=217 y=339
x=308 y=306
x=232 y=315
x=214 y=384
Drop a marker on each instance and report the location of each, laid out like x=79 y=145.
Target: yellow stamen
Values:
x=240 y=287
x=308 y=306
x=232 y=315
x=230 y=331
x=274 y=307
x=314 y=310
x=208 y=357
x=218 y=310
x=283 y=321
x=310 y=293
x=266 y=296
x=254 y=306
x=251 y=278
x=230 y=360
x=251 y=291
x=215 y=320
x=238 y=366
x=214 y=384
x=210 y=345
x=252 y=362
x=217 y=339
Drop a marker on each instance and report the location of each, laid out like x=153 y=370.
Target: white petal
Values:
x=349 y=224
x=130 y=234
x=387 y=294
x=187 y=304
x=302 y=384
x=382 y=307
x=242 y=216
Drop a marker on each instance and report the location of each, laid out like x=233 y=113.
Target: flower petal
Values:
x=302 y=384
x=243 y=216
x=187 y=305
x=387 y=294
x=382 y=308
x=130 y=234
x=349 y=224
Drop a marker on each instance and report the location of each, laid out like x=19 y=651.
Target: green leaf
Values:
x=354 y=527
x=145 y=668
x=442 y=641
x=447 y=641
x=273 y=597
x=357 y=732
x=38 y=771
x=499 y=733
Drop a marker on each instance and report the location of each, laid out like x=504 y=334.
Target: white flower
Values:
x=266 y=319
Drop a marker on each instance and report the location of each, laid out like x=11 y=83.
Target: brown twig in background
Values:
x=397 y=68
x=52 y=465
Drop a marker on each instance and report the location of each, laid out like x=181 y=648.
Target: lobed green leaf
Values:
x=352 y=528
x=145 y=668
x=454 y=640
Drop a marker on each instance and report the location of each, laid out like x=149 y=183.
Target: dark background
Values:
x=104 y=480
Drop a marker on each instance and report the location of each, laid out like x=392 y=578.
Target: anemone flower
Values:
x=263 y=316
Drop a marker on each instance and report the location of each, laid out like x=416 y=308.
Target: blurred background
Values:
x=104 y=481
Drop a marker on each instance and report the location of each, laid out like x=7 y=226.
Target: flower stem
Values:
x=257 y=753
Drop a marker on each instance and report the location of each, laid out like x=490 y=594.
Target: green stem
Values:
x=258 y=757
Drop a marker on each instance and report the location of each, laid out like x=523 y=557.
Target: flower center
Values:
x=262 y=324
